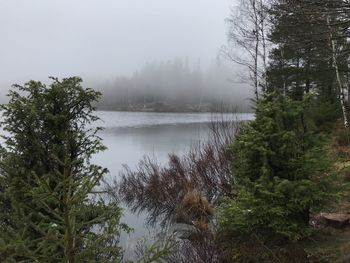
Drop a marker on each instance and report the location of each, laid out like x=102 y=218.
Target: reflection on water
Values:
x=129 y=136
x=128 y=145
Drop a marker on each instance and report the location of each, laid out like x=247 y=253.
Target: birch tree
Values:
x=248 y=42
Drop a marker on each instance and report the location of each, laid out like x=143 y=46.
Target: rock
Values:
x=336 y=220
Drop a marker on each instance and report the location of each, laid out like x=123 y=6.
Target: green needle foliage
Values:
x=282 y=173
x=52 y=209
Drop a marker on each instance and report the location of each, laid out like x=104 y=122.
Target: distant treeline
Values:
x=178 y=87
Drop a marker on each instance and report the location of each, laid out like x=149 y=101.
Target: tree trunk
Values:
x=256 y=51
x=338 y=77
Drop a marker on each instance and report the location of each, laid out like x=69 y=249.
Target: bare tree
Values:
x=248 y=41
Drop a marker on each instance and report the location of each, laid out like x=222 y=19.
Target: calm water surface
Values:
x=131 y=135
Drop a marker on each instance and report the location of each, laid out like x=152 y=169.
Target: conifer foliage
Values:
x=52 y=210
x=282 y=173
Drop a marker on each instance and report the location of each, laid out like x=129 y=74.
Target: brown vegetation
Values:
x=186 y=191
x=188 y=188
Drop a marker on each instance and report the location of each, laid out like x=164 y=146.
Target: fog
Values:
x=105 y=39
x=177 y=86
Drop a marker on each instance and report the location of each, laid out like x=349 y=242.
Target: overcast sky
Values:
x=104 y=38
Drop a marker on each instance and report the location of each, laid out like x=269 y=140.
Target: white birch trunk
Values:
x=338 y=77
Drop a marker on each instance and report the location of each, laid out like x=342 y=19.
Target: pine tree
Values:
x=311 y=48
x=299 y=40
x=54 y=210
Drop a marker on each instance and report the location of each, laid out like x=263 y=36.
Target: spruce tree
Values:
x=54 y=211
x=282 y=173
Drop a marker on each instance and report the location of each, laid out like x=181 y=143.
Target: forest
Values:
x=176 y=86
x=274 y=189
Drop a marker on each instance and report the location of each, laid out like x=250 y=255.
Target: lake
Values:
x=131 y=135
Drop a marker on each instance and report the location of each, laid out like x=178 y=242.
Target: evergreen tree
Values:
x=54 y=211
x=302 y=59
x=281 y=173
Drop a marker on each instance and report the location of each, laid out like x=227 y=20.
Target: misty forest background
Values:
x=178 y=86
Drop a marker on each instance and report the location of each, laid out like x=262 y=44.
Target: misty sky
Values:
x=99 y=39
